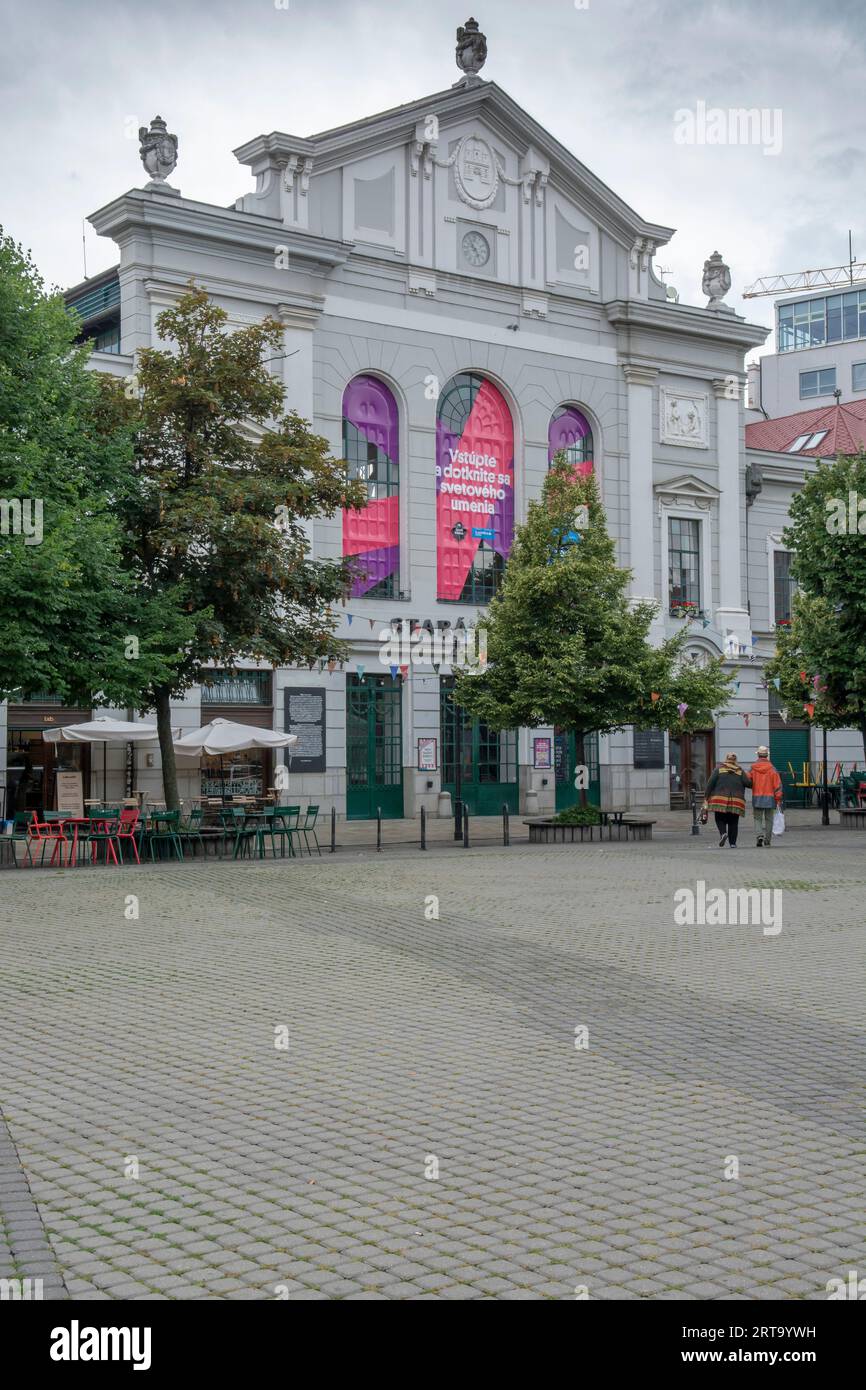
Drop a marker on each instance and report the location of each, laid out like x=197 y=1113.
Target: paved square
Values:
x=150 y=1046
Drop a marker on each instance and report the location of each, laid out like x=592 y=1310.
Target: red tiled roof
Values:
x=845 y=426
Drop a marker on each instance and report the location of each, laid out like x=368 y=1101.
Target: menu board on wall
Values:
x=305 y=717
x=649 y=748
x=69 y=793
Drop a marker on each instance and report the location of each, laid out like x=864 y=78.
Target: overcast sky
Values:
x=77 y=78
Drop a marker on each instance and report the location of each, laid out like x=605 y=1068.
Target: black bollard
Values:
x=696 y=829
x=465 y=826
x=333 y=829
x=506 y=830
x=378 y=829
x=423 y=828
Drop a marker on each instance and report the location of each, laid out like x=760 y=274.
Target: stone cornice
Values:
x=664 y=317
x=637 y=375
x=138 y=212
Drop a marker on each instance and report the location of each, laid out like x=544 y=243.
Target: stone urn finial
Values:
x=716 y=282
x=471 y=53
x=158 y=151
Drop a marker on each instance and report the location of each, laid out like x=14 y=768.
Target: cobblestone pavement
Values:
x=150 y=1045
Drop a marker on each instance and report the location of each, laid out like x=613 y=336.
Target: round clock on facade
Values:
x=476 y=249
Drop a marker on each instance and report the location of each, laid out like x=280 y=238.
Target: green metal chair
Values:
x=309 y=828
x=193 y=832
x=285 y=823
x=20 y=836
x=165 y=834
x=234 y=820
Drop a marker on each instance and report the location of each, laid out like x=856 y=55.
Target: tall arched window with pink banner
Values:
x=474 y=489
x=371 y=448
x=569 y=430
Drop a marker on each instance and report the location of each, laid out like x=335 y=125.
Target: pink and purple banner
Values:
x=371 y=448
x=570 y=431
x=474 y=479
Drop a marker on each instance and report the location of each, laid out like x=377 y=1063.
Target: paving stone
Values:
x=558 y=1167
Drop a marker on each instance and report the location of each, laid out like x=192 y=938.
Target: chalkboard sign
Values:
x=305 y=717
x=649 y=748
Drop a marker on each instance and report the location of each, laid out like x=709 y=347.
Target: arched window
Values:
x=371 y=448
x=570 y=430
x=474 y=489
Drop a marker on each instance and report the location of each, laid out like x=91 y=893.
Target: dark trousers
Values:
x=729 y=824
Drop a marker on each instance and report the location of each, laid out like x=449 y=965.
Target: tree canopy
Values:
x=566 y=647
x=820 y=661
x=67 y=606
x=220 y=488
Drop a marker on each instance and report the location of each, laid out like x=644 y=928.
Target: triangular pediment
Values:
x=454 y=110
x=685 y=487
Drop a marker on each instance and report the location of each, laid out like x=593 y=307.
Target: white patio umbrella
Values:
x=104 y=731
x=222 y=736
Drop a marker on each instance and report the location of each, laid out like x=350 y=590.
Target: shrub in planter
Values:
x=578 y=815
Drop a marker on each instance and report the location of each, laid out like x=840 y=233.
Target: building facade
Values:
x=461 y=298
x=820 y=341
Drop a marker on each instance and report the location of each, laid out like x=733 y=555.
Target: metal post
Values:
x=423 y=827
x=825 y=798
x=378 y=829
x=333 y=829
x=506 y=830
x=465 y=827
x=458 y=769
x=696 y=829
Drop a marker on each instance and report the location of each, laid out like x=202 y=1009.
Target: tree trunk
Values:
x=166 y=748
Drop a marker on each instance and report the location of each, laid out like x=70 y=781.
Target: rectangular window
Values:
x=108 y=340
x=785 y=335
x=684 y=565
x=784 y=587
x=818 y=383
x=224 y=687
x=858 y=376
x=833 y=318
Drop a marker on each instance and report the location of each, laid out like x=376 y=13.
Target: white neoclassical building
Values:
x=461 y=297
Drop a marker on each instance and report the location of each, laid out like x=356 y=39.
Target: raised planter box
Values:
x=548 y=832
x=852 y=817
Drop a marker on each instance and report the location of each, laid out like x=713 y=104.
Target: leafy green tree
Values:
x=820 y=660
x=66 y=606
x=214 y=511
x=564 y=644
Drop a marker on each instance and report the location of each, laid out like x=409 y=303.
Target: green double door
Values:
x=488 y=759
x=790 y=746
x=565 y=767
x=374 y=747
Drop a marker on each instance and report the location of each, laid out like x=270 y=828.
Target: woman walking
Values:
x=725 y=797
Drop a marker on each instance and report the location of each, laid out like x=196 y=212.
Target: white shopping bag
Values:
x=779 y=823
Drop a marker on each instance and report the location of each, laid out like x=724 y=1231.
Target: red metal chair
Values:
x=127 y=829
x=47 y=833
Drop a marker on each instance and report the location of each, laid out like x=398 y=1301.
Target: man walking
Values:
x=766 y=796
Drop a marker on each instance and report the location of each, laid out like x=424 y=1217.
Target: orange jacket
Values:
x=766 y=782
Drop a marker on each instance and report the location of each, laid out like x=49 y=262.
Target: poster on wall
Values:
x=305 y=717
x=428 y=760
x=542 y=752
x=69 y=793
x=474 y=480
x=371 y=448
